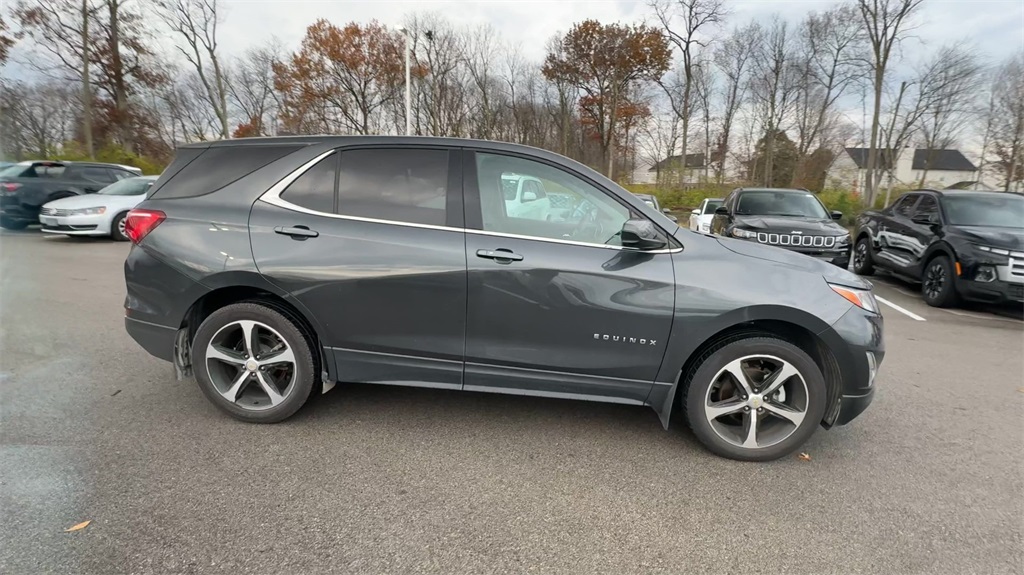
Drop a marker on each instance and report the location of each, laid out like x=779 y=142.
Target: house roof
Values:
x=936 y=160
x=860 y=157
x=942 y=160
x=672 y=162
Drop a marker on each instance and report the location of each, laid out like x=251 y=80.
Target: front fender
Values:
x=684 y=343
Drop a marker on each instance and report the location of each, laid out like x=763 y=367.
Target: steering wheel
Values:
x=590 y=227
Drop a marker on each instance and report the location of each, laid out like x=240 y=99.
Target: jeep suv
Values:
x=269 y=269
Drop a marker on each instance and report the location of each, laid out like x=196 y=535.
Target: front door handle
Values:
x=500 y=255
x=297 y=232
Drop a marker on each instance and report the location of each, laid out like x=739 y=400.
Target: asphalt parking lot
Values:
x=390 y=480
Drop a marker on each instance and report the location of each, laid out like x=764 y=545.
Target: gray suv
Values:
x=272 y=268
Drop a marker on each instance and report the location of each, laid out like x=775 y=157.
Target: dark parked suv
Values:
x=791 y=219
x=958 y=244
x=271 y=268
x=26 y=186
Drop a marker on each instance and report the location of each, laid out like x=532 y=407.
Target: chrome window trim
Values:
x=273 y=197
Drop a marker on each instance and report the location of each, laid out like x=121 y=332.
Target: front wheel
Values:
x=862 y=262
x=253 y=363
x=9 y=224
x=937 y=283
x=755 y=399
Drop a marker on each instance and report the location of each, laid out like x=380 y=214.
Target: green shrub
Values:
x=112 y=154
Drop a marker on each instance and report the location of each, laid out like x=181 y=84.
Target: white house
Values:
x=944 y=168
x=667 y=170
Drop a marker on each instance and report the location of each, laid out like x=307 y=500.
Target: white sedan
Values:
x=99 y=214
x=700 y=218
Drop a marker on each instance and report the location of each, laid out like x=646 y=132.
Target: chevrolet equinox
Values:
x=271 y=268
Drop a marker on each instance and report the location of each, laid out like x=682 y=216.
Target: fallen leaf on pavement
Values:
x=1020 y=389
x=804 y=457
x=81 y=525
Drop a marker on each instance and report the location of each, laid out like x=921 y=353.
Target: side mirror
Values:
x=695 y=212
x=666 y=211
x=837 y=215
x=641 y=235
x=721 y=211
x=924 y=220
x=529 y=196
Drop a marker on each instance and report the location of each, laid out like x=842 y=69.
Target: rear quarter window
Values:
x=199 y=171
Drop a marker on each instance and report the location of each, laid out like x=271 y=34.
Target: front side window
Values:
x=905 y=206
x=401 y=185
x=711 y=206
x=314 y=189
x=928 y=209
x=582 y=213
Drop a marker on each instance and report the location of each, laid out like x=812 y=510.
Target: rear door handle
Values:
x=500 y=255
x=297 y=232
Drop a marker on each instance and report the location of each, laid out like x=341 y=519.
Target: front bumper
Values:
x=92 y=224
x=996 y=291
x=858 y=347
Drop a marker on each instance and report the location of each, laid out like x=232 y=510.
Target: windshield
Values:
x=127 y=187
x=795 y=204
x=1000 y=211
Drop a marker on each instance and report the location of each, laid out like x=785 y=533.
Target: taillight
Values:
x=138 y=223
x=9 y=187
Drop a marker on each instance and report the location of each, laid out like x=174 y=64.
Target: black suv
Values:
x=791 y=219
x=956 y=243
x=26 y=186
x=271 y=268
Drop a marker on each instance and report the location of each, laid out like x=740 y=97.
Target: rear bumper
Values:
x=158 y=340
x=19 y=212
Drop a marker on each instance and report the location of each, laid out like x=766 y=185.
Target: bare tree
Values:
x=61 y=28
x=252 y=89
x=36 y=118
x=829 y=63
x=195 y=23
x=951 y=93
x=686 y=35
x=772 y=86
x=703 y=89
x=886 y=24
x=733 y=57
x=1008 y=135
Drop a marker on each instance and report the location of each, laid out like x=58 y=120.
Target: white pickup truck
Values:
x=525 y=197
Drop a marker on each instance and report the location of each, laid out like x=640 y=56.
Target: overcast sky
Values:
x=996 y=27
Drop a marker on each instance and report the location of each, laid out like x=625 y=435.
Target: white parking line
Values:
x=976 y=316
x=904 y=311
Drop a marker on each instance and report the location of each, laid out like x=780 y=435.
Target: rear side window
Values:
x=927 y=208
x=213 y=168
x=711 y=206
x=97 y=175
x=314 y=189
x=403 y=185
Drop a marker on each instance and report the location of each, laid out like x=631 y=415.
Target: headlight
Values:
x=843 y=240
x=999 y=251
x=863 y=299
x=745 y=234
x=88 y=211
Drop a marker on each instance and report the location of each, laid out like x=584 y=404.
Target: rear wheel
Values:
x=117 y=228
x=253 y=363
x=862 y=262
x=937 y=283
x=755 y=399
x=9 y=224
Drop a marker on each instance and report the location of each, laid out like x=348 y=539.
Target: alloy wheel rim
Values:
x=934 y=281
x=860 y=255
x=251 y=365
x=756 y=401
x=121 y=227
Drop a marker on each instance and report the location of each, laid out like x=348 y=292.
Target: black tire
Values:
x=305 y=374
x=116 y=233
x=9 y=224
x=862 y=262
x=938 y=284
x=698 y=387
